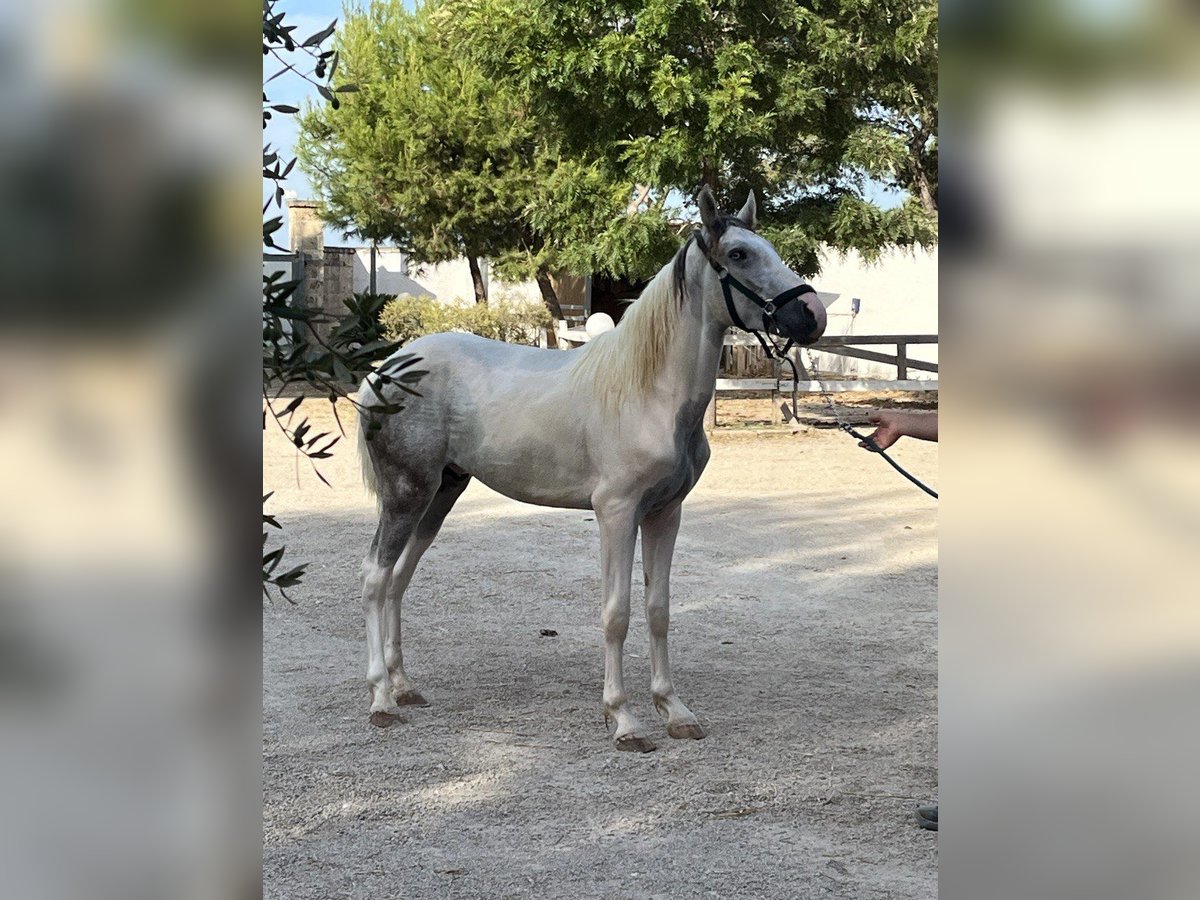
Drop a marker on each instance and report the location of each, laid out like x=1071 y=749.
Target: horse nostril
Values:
x=810 y=324
x=816 y=327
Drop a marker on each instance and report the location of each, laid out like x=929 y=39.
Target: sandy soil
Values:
x=804 y=636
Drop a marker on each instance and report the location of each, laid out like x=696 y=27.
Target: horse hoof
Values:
x=691 y=730
x=381 y=719
x=635 y=744
x=411 y=698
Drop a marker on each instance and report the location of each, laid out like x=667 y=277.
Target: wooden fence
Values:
x=742 y=357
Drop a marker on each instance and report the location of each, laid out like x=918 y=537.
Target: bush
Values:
x=407 y=318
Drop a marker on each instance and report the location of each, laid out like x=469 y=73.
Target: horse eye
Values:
x=737 y=255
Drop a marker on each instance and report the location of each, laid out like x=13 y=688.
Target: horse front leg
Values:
x=618 y=535
x=658 y=548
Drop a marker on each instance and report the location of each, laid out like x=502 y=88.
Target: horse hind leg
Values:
x=404 y=690
x=376 y=576
x=402 y=508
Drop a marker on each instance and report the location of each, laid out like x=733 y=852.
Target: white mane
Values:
x=624 y=362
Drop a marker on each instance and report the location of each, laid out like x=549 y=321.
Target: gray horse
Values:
x=616 y=427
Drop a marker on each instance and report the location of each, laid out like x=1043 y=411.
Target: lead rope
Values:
x=842 y=423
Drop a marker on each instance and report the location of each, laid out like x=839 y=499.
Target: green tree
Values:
x=806 y=103
x=548 y=135
x=447 y=160
x=430 y=153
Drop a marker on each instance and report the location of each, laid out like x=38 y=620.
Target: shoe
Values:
x=927 y=817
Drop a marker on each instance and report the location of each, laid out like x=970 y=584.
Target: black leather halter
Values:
x=768 y=307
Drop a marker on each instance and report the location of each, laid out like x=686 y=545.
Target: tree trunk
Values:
x=924 y=190
x=550 y=298
x=477 y=280
x=549 y=295
x=920 y=176
x=372 y=268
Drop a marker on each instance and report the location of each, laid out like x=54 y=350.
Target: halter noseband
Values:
x=768 y=307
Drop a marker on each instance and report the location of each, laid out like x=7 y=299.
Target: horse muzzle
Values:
x=799 y=318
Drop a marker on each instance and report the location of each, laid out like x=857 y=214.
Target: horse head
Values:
x=750 y=285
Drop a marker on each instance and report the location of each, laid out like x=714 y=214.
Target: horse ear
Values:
x=749 y=212
x=708 y=210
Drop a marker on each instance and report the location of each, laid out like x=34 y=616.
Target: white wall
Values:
x=897 y=295
x=391 y=272
x=449 y=281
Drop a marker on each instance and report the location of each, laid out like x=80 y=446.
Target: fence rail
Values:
x=846 y=345
x=834 y=387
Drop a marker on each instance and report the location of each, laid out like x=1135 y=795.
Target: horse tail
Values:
x=365 y=398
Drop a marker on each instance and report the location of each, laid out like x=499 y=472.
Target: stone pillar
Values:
x=339 y=279
x=306 y=229
x=306 y=236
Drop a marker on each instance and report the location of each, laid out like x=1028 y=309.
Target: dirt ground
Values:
x=803 y=635
x=738 y=409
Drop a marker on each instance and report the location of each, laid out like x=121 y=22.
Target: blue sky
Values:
x=310 y=16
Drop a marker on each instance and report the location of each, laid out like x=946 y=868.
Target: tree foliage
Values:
x=445 y=159
x=430 y=154
x=553 y=135
x=810 y=104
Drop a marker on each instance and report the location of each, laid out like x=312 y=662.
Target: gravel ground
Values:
x=804 y=635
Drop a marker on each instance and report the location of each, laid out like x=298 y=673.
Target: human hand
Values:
x=894 y=425
x=889 y=431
